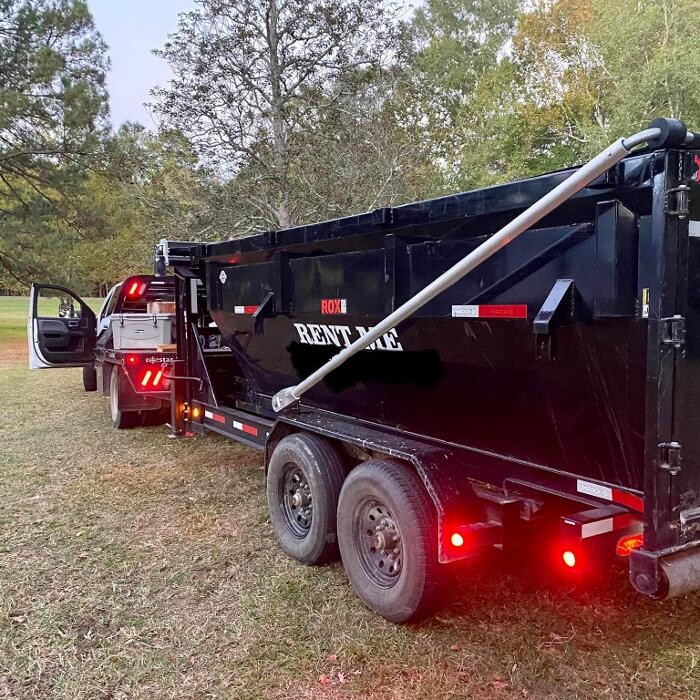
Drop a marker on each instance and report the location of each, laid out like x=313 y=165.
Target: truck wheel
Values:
x=304 y=477
x=120 y=419
x=387 y=532
x=89 y=378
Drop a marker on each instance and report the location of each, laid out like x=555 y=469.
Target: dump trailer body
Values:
x=470 y=368
x=565 y=365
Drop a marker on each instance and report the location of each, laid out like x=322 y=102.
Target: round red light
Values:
x=569 y=558
x=131 y=359
x=457 y=540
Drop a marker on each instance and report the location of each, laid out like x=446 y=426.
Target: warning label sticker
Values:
x=490 y=311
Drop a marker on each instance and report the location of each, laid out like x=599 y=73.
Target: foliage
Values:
x=281 y=113
x=52 y=65
x=254 y=78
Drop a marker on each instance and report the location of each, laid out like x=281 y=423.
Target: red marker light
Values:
x=157 y=378
x=136 y=289
x=456 y=539
x=569 y=558
x=146 y=377
x=131 y=359
x=626 y=544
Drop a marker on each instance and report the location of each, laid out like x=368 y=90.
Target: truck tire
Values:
x=120 y=419
x=304 y=478
x=387 y=532
x=89 y=378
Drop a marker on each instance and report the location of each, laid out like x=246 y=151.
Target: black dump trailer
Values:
x=546 y=391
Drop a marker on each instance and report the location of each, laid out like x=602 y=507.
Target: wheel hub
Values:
x=379 y=543
x=296 y=501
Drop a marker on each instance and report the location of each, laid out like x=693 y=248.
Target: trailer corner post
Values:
x=605 y=160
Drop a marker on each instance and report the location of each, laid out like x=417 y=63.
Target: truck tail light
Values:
x=157 y=378
x=135 y=289
x=146 y=377
x=626 y=544
x=131 y=359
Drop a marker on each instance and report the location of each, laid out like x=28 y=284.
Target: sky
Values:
x=132 y=28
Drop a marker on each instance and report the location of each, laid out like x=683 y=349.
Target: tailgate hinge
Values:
x=670 y=457
x=673 y=331
x=677 y=202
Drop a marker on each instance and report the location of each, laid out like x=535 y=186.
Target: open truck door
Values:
x=60 y=328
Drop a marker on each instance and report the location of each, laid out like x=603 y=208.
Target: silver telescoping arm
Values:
x=564 y=190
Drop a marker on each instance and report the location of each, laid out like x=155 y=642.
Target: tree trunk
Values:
x=279 y=136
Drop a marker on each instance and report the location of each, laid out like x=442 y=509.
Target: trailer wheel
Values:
x=120 y=419
x=387 y=532
x=89 y=378
x=304 y=478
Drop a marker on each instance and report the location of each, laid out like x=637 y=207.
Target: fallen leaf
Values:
x=332 y=657
x=19 y=618
x=341 y=678
x=323 y=679
x=455 y=647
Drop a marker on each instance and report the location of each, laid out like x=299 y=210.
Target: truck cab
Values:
x=125 y=349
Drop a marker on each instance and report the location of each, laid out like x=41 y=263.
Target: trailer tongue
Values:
x=430 y=381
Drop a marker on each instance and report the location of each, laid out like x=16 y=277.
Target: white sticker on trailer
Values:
x=465 y=311
x=594 y=489
x=208 y=414
x=599 y=527
x=193 y=295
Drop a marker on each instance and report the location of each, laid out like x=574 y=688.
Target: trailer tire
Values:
x=304 y=477
x=89 y=378
x=120 y=419
x=384 y=511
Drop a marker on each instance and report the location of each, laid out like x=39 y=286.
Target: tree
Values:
x=578 y=74
x=253 y=76
x=455 y=44
x=52 y=72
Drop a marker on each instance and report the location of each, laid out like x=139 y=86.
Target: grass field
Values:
x=13 y=316
x=133 y=566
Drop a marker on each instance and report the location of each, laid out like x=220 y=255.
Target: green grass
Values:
x=134 y=566
x=14 y=310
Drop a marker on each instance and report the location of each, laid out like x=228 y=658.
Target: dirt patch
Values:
x=13 y=353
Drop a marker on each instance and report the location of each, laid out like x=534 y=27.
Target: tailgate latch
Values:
x=673 y=331
x=678 y=202
x=670 y=457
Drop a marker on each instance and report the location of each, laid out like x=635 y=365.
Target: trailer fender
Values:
x=442 y=472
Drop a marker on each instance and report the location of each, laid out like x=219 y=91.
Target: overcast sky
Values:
x=132 y=28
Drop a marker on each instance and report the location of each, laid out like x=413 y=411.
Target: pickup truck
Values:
x=125 y=350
